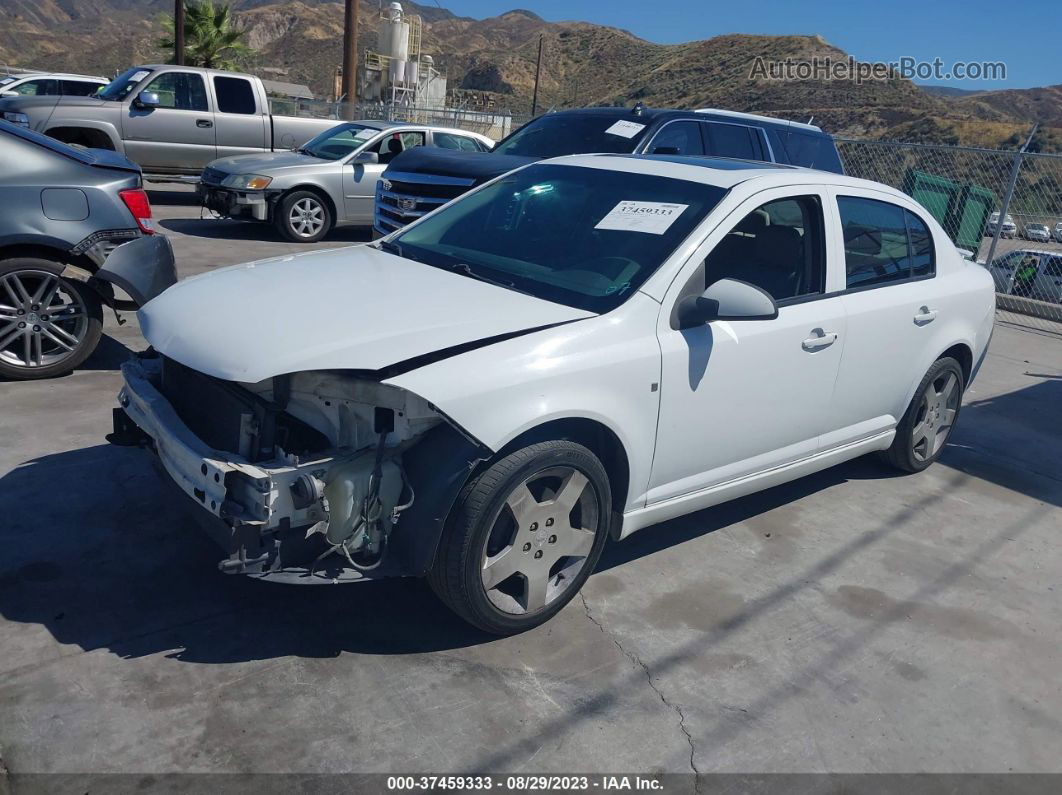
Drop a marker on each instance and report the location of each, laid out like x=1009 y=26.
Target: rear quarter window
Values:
x=812 y=150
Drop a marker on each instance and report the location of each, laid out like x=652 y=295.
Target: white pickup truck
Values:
x=170 y=120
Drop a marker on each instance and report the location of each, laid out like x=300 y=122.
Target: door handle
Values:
x=925 y=315
x=204 y=123
x=819 y=339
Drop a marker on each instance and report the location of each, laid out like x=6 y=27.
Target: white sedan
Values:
x=575 y=351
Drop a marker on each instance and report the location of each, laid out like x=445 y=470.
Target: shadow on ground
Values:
x=100 y=551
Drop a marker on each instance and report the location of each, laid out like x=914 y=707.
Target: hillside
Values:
x=583 y=64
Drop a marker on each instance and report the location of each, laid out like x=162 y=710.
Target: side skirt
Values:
x=730 y=490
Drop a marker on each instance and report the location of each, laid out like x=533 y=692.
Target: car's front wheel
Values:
x=48 y=325
x=930 y=418
x=523 y=537
x=303 y=217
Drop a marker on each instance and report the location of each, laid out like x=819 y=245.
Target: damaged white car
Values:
x=577 y=350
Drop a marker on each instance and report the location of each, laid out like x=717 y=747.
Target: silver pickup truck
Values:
x=170 y=120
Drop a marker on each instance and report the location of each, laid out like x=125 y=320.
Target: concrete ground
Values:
x=853 y=621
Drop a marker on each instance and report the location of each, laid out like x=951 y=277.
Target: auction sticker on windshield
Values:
x=651 y=217
x=625 y=129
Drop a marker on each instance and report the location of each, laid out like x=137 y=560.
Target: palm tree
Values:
x=211 y=39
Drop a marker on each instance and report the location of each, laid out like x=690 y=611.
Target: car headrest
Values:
x=779 y=246
x=752 y=223
x=860 y=239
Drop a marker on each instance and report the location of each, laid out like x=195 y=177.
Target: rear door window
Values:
x=80 y=88
x=234 y=95
x=883 y=243
x=734 y=140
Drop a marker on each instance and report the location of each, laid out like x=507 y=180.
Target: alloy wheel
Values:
x=540 y=540
x=307 y=217
x=936 y=416
x=42 y=321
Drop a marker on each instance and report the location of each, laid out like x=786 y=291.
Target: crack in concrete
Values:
x=634 y=658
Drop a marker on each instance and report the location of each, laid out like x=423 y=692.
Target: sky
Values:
x=1024 y=36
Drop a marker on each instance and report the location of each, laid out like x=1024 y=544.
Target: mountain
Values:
x=583 y=64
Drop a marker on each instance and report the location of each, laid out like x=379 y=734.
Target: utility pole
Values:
x=350 y=57
x=538 y=73
x=178 y=32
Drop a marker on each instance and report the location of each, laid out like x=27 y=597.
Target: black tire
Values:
x=291 y=203
x=906 y=453
x=28 y=271
x=457 y=574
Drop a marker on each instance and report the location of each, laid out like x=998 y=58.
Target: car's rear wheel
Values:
x=48 y=325
x=303 y=217
x=930 y=418
x=523 y=537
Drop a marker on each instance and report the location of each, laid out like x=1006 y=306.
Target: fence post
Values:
x=1014 y=169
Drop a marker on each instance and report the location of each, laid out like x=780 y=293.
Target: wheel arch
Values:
x=50 y=250
x=598 y=438
x=97 y=137
x=963 y=354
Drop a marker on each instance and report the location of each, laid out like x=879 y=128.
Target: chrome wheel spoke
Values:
x=580 y=543
x=523 y=506
x=8 y=312
x=570 y=491
x=27 y=349
x=64 y=333
x=9 y=336
x=500 y=567
x=535 y=589
x=48 y=332
x=46 y=286
x=16 y=294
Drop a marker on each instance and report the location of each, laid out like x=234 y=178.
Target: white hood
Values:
x=353 y=308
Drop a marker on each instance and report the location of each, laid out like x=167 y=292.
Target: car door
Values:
x=739 y=397
x=359 y=179
x=735 y=140
x=179 y=134
x=240 y=126
x=1048 y=286
x=894 y=305
x=682 y=137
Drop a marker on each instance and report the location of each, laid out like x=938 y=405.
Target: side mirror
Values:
x=8 y=93
x=726 y=299
x=147 y=99
x=366 y=157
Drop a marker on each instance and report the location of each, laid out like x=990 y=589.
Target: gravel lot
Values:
x=853 y=621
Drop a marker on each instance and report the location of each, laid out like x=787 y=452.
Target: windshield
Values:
x=584 y=237
x=557 y=134
x=119 y=88
x=338 y=142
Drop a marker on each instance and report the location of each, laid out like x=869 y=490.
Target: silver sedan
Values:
x=330 y=180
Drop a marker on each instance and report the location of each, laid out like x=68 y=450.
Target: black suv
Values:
x=421 y=179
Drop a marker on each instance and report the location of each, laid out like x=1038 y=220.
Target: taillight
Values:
x=137 y=202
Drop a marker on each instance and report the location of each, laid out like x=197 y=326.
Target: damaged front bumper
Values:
x=303 y=518
x=235 y=204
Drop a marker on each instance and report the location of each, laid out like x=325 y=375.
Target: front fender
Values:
x=605 y=369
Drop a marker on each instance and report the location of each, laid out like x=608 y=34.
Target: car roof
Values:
x=60 y=75
x=721 y=172
x=391 y=125
x=644 y=115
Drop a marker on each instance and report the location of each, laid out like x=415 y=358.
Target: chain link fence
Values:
x=1004 y=208
x=494 y=124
